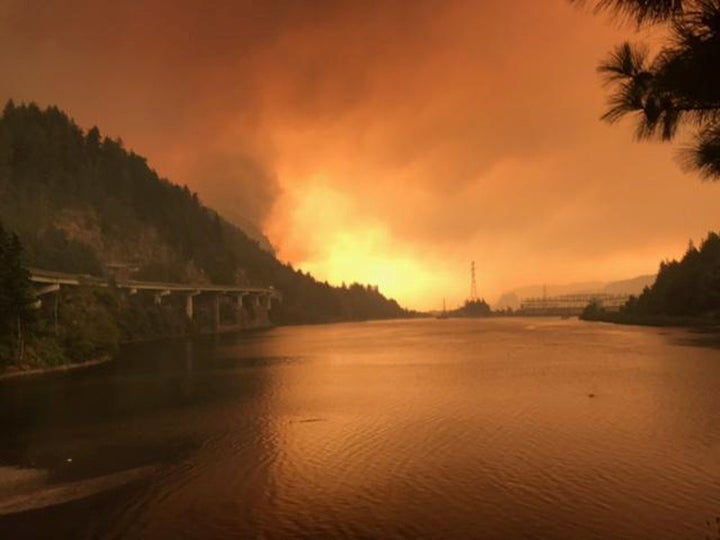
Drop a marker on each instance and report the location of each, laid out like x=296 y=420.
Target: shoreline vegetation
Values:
x=685 y=293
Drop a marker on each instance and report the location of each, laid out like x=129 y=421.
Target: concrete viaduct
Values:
x=46 y=282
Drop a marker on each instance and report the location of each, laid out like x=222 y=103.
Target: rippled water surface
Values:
x=503 y=428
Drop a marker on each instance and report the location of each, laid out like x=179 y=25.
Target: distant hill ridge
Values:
x=633 y=286
x=81 y=202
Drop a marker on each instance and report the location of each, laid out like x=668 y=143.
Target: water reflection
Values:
x=436 y=429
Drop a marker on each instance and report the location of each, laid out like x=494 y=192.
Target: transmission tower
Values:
x=473 y=283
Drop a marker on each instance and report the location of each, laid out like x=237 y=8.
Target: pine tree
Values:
x=16 y=296
x=678 y=87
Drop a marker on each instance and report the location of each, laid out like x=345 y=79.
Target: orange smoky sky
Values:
x=385 y=142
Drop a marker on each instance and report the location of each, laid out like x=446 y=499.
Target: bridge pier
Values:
x=261 y=308
x=216 y=311
x=241 y=313
x=45 y=289
x=189 y=304
x=157 y=297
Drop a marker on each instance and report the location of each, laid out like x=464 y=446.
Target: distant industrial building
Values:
x=570 y=304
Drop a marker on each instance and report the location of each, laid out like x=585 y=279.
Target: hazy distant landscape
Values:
x=634 y=286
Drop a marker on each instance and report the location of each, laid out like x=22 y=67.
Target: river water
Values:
x=499 y=428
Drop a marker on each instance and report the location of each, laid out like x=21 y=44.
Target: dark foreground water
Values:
x=514 y=428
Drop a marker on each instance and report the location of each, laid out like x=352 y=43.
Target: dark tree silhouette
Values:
x=689 y=287
x=643 y=11
x=677 y=87
x=15 y=294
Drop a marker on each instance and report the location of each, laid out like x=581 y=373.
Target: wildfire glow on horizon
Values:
x=385 y=143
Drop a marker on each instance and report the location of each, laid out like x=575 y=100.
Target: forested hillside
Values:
x=81 y=202
x=690 y=286
x=687 y=289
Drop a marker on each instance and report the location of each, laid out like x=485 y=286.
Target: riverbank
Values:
x=706 y=323
x=13 y=372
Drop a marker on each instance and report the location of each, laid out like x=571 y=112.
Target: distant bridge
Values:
x=570 y=304
x=260 y=299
